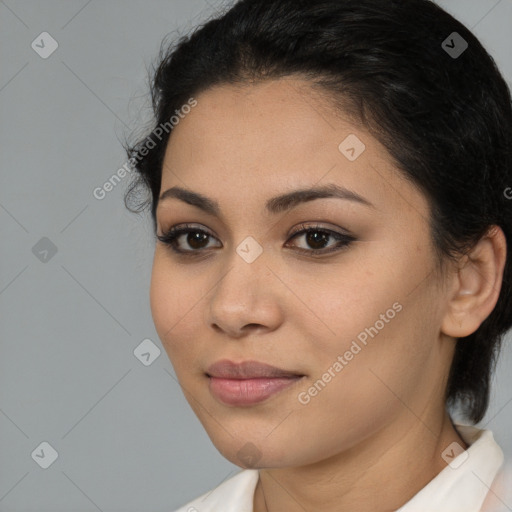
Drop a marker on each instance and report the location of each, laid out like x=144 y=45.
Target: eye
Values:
x=197 y=239
x=317 y=237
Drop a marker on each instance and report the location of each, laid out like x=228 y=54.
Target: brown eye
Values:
x=317 y=238
x=196 y=239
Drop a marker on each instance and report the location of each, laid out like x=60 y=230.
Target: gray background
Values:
x=125 y=436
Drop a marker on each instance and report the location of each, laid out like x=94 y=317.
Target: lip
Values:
x=227 y=369
x=248 y=382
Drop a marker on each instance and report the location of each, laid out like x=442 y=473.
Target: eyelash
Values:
x=170 y=236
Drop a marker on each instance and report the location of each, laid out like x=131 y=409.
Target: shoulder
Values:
x=233 y=495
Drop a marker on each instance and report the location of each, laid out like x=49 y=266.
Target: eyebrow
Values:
x=274 y=205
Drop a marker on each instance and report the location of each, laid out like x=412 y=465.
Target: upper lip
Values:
x=247 y=370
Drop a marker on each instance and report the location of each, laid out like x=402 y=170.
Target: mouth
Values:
x=248 y=382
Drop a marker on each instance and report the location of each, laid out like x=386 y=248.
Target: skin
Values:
x=374 y=435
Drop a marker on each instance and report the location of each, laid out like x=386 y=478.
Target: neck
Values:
x=381 y=473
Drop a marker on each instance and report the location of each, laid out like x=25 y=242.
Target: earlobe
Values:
x=476 y=285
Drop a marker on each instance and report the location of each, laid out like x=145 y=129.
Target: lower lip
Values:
x=248 y=391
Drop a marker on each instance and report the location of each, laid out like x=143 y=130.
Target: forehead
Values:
x=287 y=112
x=250 y=142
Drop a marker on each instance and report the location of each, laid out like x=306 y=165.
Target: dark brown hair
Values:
x=445 y=119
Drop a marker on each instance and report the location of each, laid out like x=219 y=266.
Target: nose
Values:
x=248 y=297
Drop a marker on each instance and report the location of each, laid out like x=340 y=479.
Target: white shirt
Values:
x=474 y=481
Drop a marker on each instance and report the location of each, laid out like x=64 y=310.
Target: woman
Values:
x=332 y=274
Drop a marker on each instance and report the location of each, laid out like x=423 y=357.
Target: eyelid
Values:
x=184 y=225
x=320 y=226
x=303 y=226
x=300 y=228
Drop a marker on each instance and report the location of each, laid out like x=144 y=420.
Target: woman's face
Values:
x=360 y=322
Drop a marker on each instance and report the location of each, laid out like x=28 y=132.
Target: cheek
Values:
x=175 y=304
x=358 y=388
x=375 y=336
x=347 y=303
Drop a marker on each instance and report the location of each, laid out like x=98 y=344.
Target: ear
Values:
x=476 y=285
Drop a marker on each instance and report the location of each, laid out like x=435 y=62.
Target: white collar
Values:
x=463 y=489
